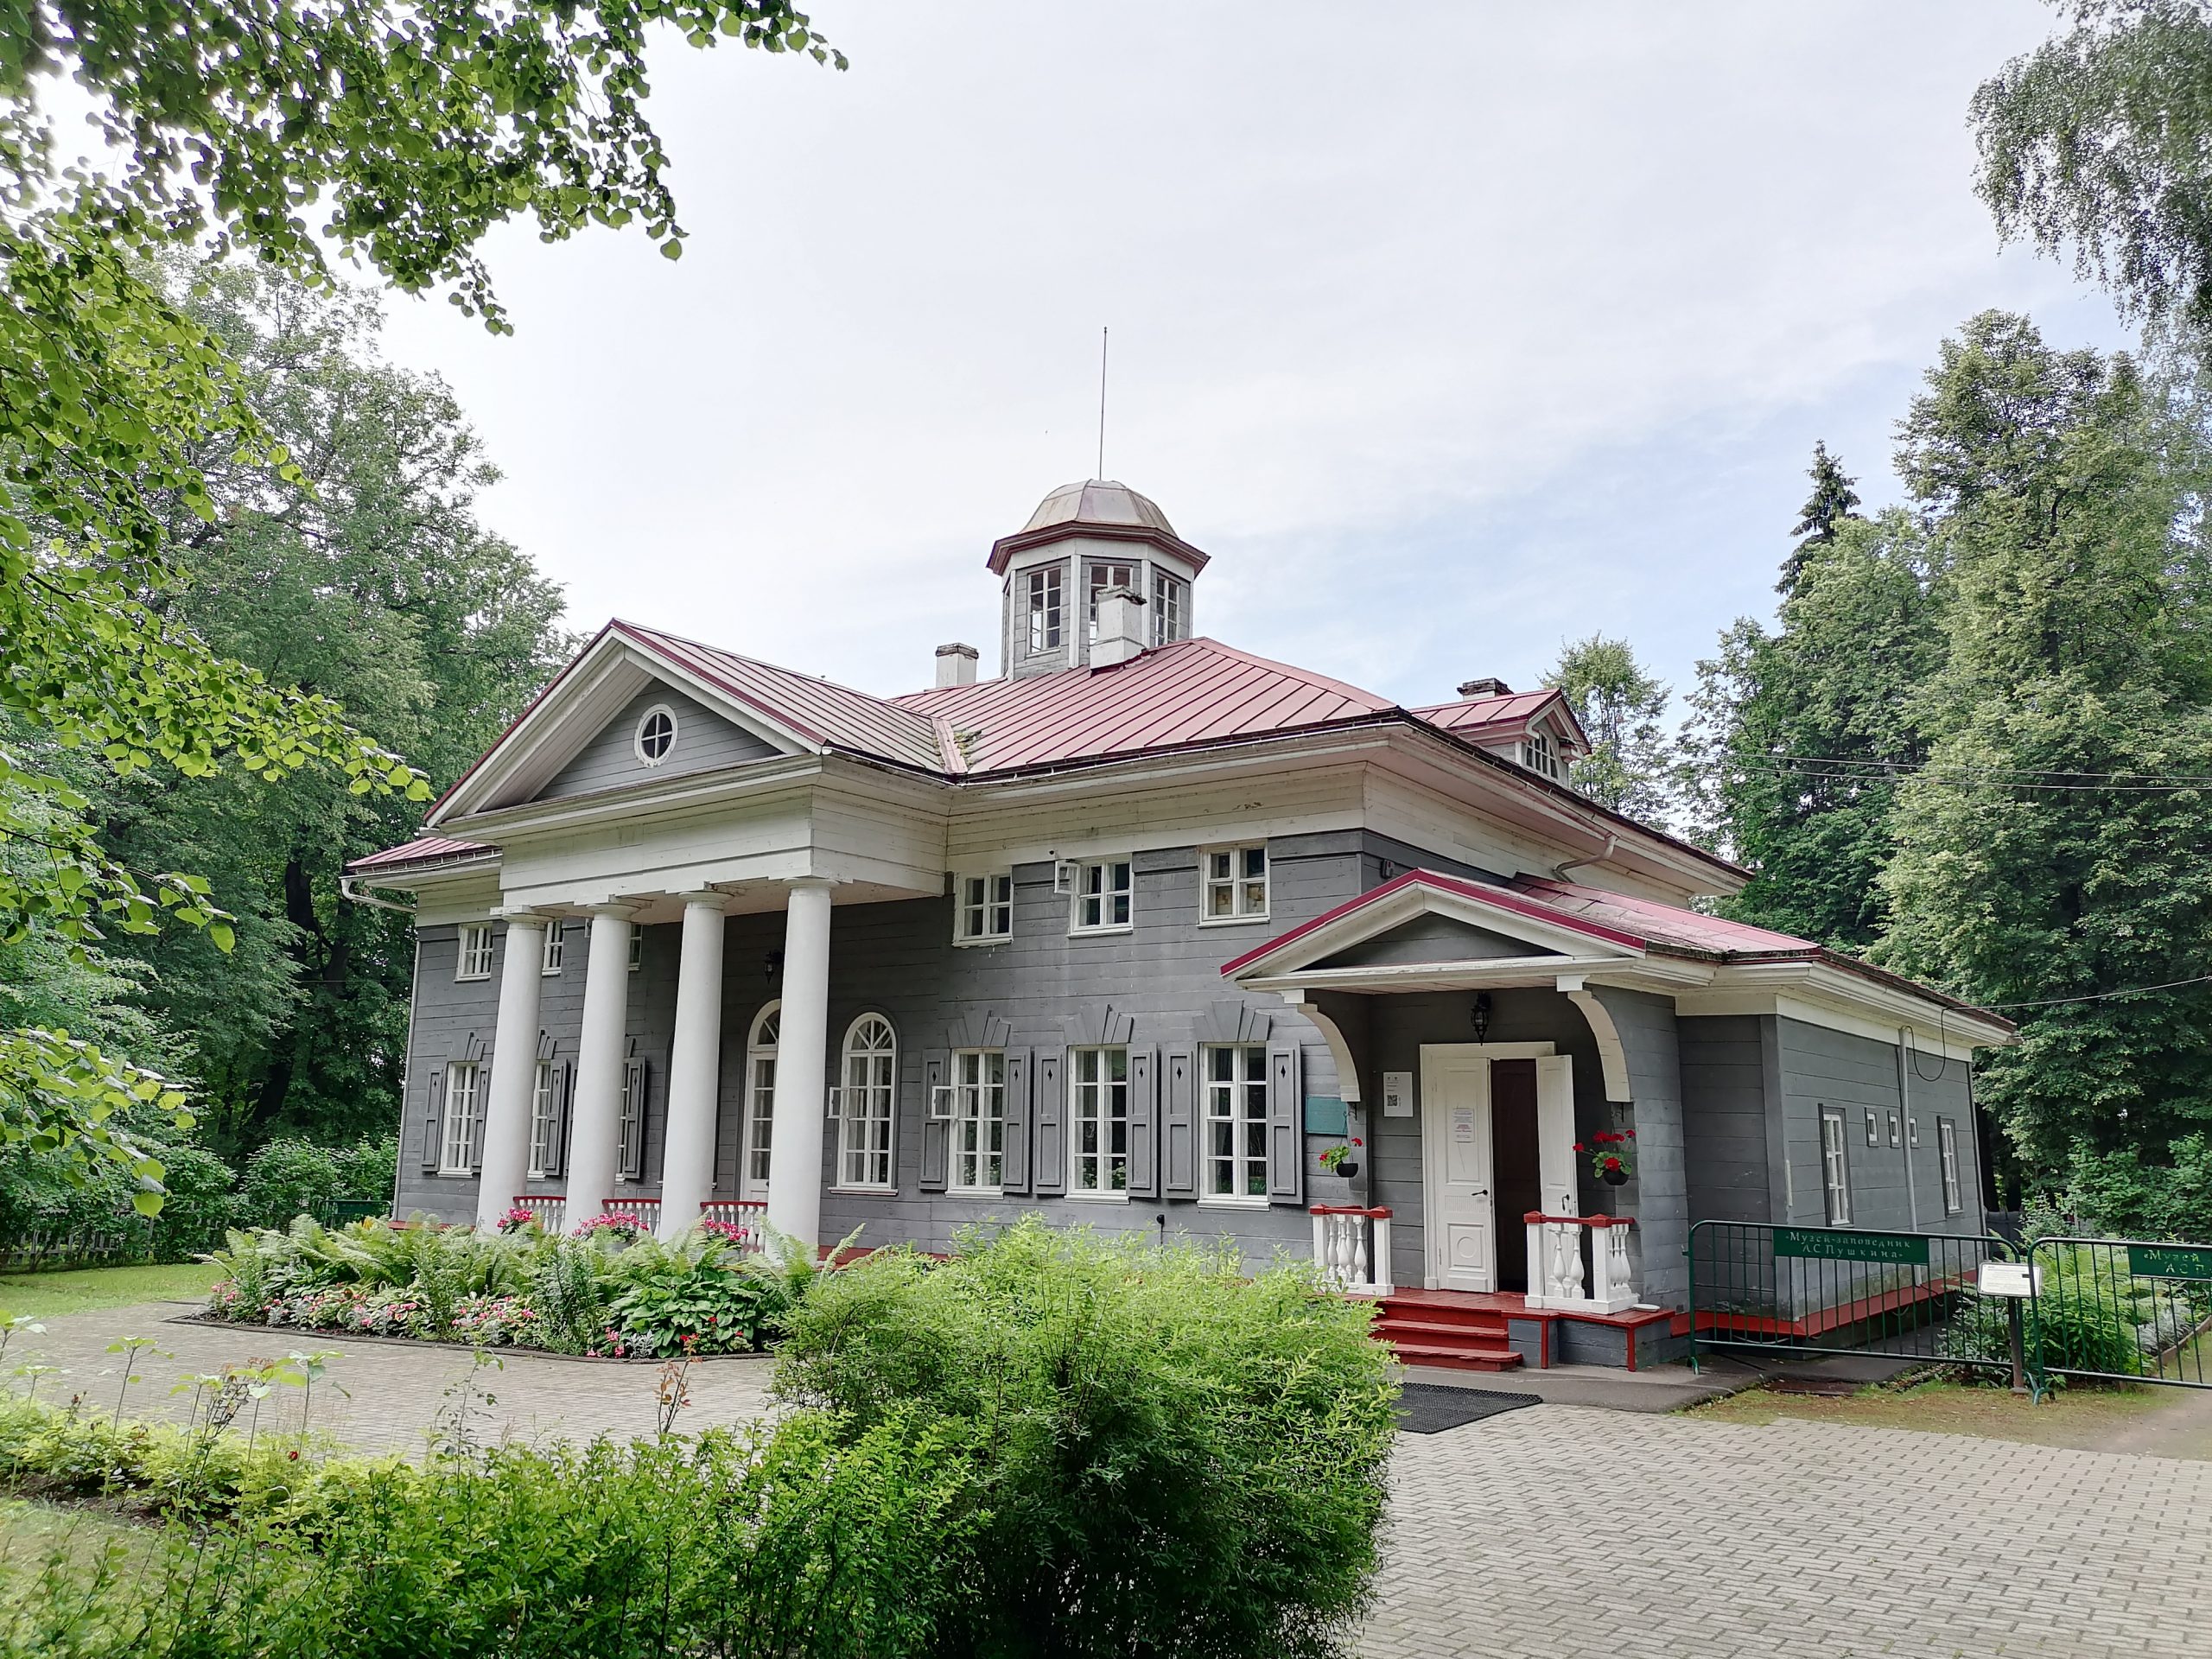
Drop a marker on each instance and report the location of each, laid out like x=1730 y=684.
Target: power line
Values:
x=2096 y=996
x=1819 y=769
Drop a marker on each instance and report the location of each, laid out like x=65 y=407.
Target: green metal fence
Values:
x=1777 y=1291
x=2122 y=1310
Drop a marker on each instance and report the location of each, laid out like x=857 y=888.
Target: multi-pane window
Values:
x=550 y=962
x=864 y=1104
x=1045 y=609
x=1835 y=1169
x=1946 y=1144
x=1237 y=1122
x=1098 y=575
x=1235 y=884
x=986 y=907
x=631 y=1164
x=1102 y=894
x=1538 y=754
x=636 y=948
x=1170 y=608
x=760 y=1099
x=1102 y=1122
x=656 y=735
x=457 y=1150
x=544 y=1123
x=475 y=959
x=978 y=1119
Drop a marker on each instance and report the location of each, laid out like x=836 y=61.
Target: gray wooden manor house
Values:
x=1133 y=934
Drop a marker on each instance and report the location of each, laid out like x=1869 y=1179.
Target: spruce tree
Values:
x=1832 y=502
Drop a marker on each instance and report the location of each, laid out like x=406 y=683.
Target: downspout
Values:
x=1904 y=1110
x=1612 y=843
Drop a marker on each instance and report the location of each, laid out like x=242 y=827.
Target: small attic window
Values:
x=655 y=734
x=1538 y=754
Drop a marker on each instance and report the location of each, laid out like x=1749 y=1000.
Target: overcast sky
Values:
x=1451 y=330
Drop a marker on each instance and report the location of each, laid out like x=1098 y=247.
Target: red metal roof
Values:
x=428 y=849
x=1192 y=691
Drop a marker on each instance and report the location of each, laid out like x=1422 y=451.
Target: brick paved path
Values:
x=1558 y=1532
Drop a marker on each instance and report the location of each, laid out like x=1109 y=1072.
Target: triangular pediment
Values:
x=580 y=736
x=1432 y=938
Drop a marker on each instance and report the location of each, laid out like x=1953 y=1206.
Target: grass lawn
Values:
x=2161 y=1421
x=43 y=1295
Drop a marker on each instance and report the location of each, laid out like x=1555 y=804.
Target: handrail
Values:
x=1348 y=1210
x=1535 y=1216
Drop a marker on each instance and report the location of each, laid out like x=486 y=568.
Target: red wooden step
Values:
x=1456 y=1357
x=1440 y=1335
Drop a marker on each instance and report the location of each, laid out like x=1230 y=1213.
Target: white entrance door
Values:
x=1462 y=1221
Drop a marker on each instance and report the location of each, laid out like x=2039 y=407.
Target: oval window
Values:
x=656 y=734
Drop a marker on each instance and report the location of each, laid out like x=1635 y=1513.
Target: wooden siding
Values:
x=704 y=743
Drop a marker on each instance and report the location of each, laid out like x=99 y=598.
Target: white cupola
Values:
x=1087 y=541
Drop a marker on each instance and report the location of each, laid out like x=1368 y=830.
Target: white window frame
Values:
x=638 y=735
x=1094 y=899
x=868 y=1094
x=1873 y=1128
x=1045 y=624
x=978 y=1109
x=982 y=908
x=756 y=1136
x=1237 y=1103
x=1098 y=1124
x=474 y=960
x=1099 y=575
x=1235 y=882
x=457 y=1144
x=630 y=1156
x=1170 y=613
x=556 y=947
x=1539 y=753
x=1946 y=1144
x=1835 y=1168
x=544 y=1124
x=637 y=949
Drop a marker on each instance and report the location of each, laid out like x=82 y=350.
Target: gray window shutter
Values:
x=1144 y=1124
x=936 y=1132
x=1048 y=1147
x=1286 y=1132
x=636 y=1078
x=1180 y=1155
x=433 y=1125
x=483 y=1112
x=564 y=1089
x=1013 y=1171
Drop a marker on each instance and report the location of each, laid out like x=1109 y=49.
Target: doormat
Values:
x=1430 y=1408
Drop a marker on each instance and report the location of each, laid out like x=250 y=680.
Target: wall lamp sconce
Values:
x=772 y=964
x=1481 y=1016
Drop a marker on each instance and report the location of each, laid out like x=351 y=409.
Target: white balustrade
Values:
x=551 y=1212
x=1352 y=1249
x=1561 y=1275
x=749 y=1216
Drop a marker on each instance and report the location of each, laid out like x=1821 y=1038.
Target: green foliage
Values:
x=1831 y=502
x=1173 y=1458
x=1798 y=734
x=2099 y=140
x=290 y=1177
x=1630 y=763
x=2125 y=1194
x=421 y=129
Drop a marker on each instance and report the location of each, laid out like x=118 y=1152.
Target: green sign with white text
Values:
x=2169 y=1261
x=1829 y=1244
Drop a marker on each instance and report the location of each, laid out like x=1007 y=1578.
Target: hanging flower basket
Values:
x=1612 y=1160
x=1341 y=1160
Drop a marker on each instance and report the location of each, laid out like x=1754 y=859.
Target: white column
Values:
x=505 y=1161
x=694 y=1068
x=802 y=1066
x=596 y=1119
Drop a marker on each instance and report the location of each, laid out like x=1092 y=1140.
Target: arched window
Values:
x=869 y=1084
x=760 y=1099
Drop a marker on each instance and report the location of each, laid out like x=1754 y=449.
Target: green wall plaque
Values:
x=1325 y=1115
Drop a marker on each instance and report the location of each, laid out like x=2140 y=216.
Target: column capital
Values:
x=618 y=912
x=523 y=916
x=811 y=883
x=705 y=896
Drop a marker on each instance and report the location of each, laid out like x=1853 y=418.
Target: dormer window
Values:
x=1045 y=609
x=1538 y=754
x=1171 y=598
x=656 y=734
x=1098 y=577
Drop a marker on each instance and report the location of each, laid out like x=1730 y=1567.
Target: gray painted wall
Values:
x=704 y=741
x=1430 y=938
x=1728 y=1140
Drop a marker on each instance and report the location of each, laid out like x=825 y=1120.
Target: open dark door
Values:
x=1515 y=1170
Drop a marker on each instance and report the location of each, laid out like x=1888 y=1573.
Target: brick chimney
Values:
x=1120 y=627
x=1487 y=687
x=956 y=664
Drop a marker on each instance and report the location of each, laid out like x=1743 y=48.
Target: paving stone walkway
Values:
x=1558 y=1532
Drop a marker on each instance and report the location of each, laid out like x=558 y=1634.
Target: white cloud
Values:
x=1450 y=329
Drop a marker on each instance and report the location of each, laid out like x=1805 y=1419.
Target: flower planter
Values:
x=1615 y=1178
x=1347 y=1170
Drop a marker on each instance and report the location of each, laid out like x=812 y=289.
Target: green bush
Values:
x=1174 y=1458
x=2116 y=1194
x=797 y=1541
x=291 y=1176
x=2085 y=1319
